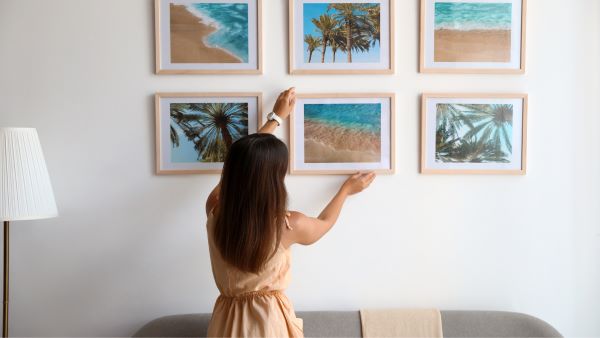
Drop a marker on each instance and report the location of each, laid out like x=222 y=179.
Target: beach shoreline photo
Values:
x=342 y=133
x=472 y=32
x=189 y=36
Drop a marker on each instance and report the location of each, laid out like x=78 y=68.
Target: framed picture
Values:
x=473 y=36
x=208 y=36
x=342 y=133
x=473 y=133
x=195 y=130
x=341 y=36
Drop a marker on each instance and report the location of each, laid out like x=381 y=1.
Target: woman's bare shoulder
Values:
x=213 y=199
x=288 y=235
x=296 y=218
x=211 y=204
x=299 y=228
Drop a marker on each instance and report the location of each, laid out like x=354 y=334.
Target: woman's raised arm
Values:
x=307 y=230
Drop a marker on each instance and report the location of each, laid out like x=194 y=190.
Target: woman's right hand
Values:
x=357 y=182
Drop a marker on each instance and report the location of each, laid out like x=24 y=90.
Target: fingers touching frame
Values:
x=368 y=180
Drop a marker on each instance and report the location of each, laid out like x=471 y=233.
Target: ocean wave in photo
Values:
x=473 y=16
x=362 y=116
x=231 y=23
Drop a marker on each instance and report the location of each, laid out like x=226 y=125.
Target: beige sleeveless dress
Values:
x=252 y=305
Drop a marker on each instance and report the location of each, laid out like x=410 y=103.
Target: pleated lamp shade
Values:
x=25 y=188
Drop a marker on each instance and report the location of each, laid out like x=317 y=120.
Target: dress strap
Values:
x=287 y=221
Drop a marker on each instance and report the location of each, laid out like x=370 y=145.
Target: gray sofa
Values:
x=347 y=324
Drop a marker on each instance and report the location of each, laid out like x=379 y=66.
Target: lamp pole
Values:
x=5 y=283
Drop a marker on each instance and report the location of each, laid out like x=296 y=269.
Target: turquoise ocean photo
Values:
x=340 y=133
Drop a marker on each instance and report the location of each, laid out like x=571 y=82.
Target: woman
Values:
x=250 y=233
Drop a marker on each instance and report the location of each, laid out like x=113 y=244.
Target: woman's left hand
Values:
x=285 y=103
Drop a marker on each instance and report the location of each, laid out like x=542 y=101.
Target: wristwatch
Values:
x=274 y=117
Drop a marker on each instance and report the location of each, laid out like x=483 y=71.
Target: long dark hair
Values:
x=252 y=201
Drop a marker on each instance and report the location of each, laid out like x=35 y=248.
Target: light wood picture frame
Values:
x=474 y=133
x=467 y=37
x=372 y=54
x=343 y=133
x=208 y=36
x=188 y=141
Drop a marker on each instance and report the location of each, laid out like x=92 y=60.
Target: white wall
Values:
x=130 y=246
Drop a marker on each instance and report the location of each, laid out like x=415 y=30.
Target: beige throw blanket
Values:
x=414 y=323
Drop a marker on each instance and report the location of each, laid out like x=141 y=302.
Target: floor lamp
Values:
x=25 y=189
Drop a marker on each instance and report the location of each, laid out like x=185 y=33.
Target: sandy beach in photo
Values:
x=187 y=40
x=472 y=45
x=325 y=143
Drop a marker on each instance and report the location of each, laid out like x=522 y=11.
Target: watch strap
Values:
x=274 y=117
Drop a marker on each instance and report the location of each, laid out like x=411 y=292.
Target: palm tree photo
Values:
x=210 y=127
x=312 y=44
x=474 y=133
x=374 y=19
x=352 y=29
x=326 y=25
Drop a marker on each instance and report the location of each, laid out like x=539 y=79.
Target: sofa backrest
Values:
x=347 y=324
